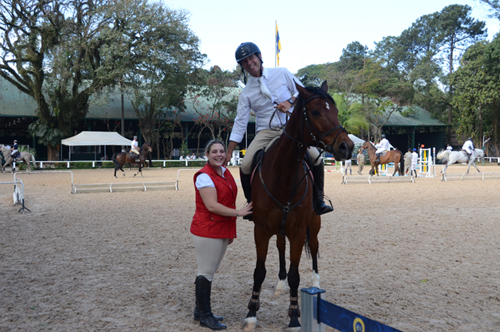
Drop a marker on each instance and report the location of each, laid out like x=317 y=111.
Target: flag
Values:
x=278 y=45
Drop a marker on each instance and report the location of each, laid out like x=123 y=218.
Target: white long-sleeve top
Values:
x=468 y=146
x=414 y=158
x=281 y=84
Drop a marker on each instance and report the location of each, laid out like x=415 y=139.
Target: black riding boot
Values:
x=197 y=311
x=203 y=293
x=247 y=189
x=319 y=183
x=378 y=157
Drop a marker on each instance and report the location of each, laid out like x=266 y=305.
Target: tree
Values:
x=50 y=51
x=215 y=103
x=477 y=91
x=494 y=8
x=456 y=31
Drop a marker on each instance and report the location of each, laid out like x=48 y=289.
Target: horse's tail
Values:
x=115 y=161
x=443 y=155
x=306 y=243
x=401 y=164
x=33 y=160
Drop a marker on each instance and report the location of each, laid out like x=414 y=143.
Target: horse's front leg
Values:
x=296 y=245
x=474 y=164
x=281 y=245
x=259 y=274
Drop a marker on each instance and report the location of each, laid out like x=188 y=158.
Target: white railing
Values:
x=46 y=164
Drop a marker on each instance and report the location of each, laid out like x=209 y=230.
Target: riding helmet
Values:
x=245 y=50
x=383 y=135
x=470 y=138
x=15 y=141
x=415 y=149
x=135 y=137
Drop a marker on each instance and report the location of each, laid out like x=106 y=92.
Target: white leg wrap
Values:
x=280 y=288
x=250 y=324
x=315 y=279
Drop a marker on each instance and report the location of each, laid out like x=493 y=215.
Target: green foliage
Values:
x=46 y=135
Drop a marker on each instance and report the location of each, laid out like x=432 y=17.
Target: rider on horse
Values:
x=383 y=146
x=14 y=152
x=468 y=147
x=268 y=90
x=134 y=148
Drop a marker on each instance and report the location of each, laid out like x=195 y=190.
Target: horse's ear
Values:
x=324 y=87
x=301 y=90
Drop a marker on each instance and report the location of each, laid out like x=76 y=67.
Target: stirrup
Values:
x=321 y=208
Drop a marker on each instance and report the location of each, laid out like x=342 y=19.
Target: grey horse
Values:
x=26 y=157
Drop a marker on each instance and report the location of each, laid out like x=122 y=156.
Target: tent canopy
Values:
x=356 y=140
x=92 y=138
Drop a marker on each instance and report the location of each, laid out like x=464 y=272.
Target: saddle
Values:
x=383 y=153
x=259 y=156
x=16 y=154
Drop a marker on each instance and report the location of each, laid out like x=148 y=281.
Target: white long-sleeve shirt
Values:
x=468 y=146
x=281 y=84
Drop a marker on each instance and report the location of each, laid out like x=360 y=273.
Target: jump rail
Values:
x=115 y=187
x=483 y=176
x=316 y=313
x=18 y=195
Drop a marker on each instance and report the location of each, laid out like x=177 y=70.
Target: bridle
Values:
x=313 y=131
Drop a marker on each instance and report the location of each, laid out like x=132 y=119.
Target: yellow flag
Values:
x=278 y=45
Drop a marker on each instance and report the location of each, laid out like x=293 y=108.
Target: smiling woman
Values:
x=213 y=227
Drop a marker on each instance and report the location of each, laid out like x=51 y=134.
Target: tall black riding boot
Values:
x=319 y=183
x=247 y=189
x=378 y=157
x=203 y=293
x=197 y=311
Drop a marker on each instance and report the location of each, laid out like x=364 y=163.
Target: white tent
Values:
x=95 y=138
x=356 y=140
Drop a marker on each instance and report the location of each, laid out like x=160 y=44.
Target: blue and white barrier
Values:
x=316 y=313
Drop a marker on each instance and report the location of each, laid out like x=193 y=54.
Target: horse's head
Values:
x=366 y=145
x=322 y=127
x=146 y=147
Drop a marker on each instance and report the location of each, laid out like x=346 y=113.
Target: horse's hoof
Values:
x=250 y=324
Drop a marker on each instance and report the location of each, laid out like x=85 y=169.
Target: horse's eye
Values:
x=315 y=113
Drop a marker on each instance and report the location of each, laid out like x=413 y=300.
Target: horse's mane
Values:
x=318 y=91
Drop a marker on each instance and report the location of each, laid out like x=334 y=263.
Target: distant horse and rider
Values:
x=23 y=156
x=451 y=157
x=392 y=156
x=120 y=158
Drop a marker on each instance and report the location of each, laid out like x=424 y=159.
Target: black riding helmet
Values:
x=244 y=51
x=383 y=135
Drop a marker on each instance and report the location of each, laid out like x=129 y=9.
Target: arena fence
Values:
x=316 y=313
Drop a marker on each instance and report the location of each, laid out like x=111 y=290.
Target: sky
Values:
x=311 y=31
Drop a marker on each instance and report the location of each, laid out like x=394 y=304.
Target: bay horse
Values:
x=120 y=158
x=282 y=193
x=24 y=156
x=393 y=156
x=451 y=157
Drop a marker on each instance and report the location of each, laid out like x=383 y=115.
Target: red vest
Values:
x=208 y=224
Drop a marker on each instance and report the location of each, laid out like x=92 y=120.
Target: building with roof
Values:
x=410 y=128
x=414 y=127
